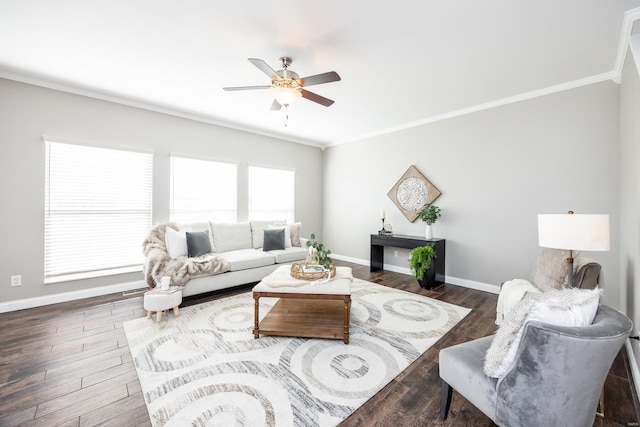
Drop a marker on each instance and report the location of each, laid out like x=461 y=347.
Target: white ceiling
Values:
x=401 y=62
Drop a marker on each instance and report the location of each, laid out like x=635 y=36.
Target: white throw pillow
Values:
x=562 y=307
x=176 y=242
x=287 y=233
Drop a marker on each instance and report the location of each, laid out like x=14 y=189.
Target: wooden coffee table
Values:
x=309 y=310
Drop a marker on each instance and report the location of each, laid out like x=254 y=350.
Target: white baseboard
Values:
x=635 y=373
x=471 y=284
x=351 y=259
x=22 y=304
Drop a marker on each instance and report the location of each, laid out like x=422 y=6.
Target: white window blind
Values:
x=271 y=194
x=203 y=190
x=97 y=210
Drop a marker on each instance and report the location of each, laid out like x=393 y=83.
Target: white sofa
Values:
x=236 y=257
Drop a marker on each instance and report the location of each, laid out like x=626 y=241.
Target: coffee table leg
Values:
x=256 y=315
x=347 y=319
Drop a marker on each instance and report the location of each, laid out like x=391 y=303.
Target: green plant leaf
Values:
x=420 y=260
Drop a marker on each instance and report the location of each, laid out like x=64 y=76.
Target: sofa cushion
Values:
x=273 y=239
x=257 y=230
x=289 y=255
x=231 y=237
x=243 y=259
x=198 y=243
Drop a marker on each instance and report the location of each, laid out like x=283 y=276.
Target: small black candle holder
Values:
x=382 y=231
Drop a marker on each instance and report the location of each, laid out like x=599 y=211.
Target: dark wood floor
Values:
x=69 y=365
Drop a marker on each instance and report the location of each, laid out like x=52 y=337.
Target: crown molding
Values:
x=70 y=88
x=486 y=106
x=630 y=16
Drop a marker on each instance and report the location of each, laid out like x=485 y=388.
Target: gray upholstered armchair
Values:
x=556 y=380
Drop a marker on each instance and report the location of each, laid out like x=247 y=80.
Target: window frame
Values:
x=288 y=213
x=183 y=217
x=74 y=207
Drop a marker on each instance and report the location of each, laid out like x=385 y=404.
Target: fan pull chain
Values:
x=286 y=115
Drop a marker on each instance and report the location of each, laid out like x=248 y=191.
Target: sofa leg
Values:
x=445 y=400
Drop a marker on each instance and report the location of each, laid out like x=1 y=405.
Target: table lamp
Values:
x=580 y=232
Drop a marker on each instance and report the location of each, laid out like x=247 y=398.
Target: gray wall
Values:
x=497 y=169
x=630 y=189
x=28 y=112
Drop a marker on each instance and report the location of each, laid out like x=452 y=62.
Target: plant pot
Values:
x=428 y=232
x=429 y=279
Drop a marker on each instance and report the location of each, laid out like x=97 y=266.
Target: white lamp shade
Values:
x=574 y=232
x=285 y=95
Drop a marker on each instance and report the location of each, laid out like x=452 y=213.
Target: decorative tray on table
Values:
x=312 y=272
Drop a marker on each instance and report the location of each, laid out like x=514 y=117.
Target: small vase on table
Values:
x=428 y=232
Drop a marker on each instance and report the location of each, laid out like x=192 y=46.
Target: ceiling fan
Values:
x=287 y=86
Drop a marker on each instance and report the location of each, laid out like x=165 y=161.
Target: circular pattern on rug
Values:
x=409 y=316
x=225 y=404
x=413 y=310
x=344 y=372
x=232 y=318
x=349 y=366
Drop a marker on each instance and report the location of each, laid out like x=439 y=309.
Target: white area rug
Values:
x=204 y=368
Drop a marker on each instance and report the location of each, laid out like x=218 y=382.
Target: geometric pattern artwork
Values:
x=412 y=192
x=205 y=368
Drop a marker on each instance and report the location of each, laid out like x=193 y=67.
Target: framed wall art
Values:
x=412 y=191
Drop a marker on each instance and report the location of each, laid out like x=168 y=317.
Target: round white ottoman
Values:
x=158 y=302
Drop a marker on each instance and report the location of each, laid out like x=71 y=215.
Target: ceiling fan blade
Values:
x=331 y=76
x=275 y=106
x=264 y=67
x=246 y=87
x=316 y=98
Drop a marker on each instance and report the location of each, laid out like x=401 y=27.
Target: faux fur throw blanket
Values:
x=570 y=306
x=158 y=262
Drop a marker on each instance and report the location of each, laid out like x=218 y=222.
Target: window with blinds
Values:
x=271 y=194
x=203 y=190
x=98 y=207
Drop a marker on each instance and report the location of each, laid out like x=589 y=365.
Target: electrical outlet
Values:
x=395 y=254
x=16 y=280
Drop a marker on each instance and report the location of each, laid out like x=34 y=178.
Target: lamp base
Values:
x=570 y=269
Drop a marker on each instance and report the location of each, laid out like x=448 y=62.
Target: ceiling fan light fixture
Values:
x=285 y=91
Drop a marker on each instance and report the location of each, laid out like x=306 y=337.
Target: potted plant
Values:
x=429 y=214
x=422 y=267
x=323 y=253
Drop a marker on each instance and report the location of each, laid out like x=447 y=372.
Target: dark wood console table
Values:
x=378 y=242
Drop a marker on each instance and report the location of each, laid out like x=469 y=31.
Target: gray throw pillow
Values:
x=273 y=239
x=550 y=271
x=198 y=243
